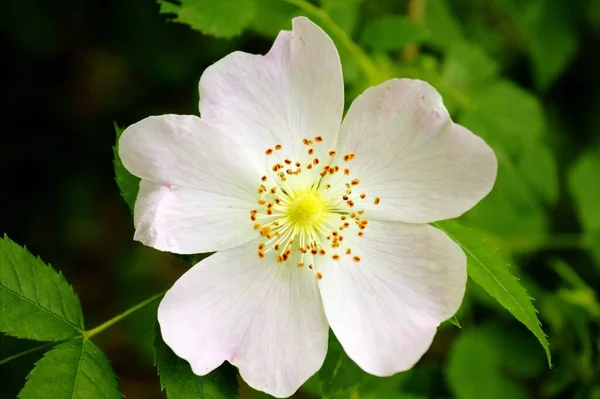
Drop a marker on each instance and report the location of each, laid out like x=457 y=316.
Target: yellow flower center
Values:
x=306 y=209
x=308 y=205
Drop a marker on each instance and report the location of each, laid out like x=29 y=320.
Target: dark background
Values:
x=70 y=69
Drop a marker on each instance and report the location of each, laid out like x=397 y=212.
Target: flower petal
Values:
x=385 y=308
x=185 y=151
x=262 y=316
x=187 y=221
x=295 y=91
x=410 y=154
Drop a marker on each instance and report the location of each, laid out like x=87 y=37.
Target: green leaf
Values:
x=36 y=302
x=454 y=321
x=585 y=190
x=74 y=369
x=593 y=15
x=506 y=115
x=552 y=39
x=129 y=184
x=474 y=369
x=383 y=394
x=467 y=66
x=177 y=378
x=488 y=268
x=444 y=29
x=216 y=18
x=512 y=121
x=391 y=33
x=274 y=16
x=343 y=12
x=512 y=208
x=339 y=373
x=539 y=168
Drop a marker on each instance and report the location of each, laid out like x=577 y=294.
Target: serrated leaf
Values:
x=391 y=33
x=129 y=184
x=339 y=373
x=488 y=268
x=177 y=378
x=584 y=188
x=216 y=18
x=36 y=302
x=74 y=369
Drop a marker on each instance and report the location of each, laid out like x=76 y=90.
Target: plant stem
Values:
x=373 y=74
x=90 y=333
x=27 y=352
x=416 y=13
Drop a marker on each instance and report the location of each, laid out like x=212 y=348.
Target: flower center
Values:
x=307 y=209
x=307 y=206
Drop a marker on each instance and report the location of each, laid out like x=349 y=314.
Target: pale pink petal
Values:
x=385 y=308
x=187 y=221
x=262 y=316
x=410 y=154
x=185 y=151
x=295 y=91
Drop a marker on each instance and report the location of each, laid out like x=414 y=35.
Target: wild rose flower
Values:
x=318 y=223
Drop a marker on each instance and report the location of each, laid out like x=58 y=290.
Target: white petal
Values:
x=293 y=92
x=187 y=221
x=262 y=316
x=385 y=308
x=409 y=153
x=185 y=151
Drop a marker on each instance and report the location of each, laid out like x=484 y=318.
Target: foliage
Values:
x=128 y=183
x=75 y=369
x=487 y=267
x=508 y=70
x=217 y=18
x=177 y=378
x=35 y=301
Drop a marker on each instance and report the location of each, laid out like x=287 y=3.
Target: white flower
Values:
x=318 y=222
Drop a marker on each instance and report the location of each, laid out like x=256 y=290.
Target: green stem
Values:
x=416 y=13
x=90 y=333
x=373 y=74
x=27 y=352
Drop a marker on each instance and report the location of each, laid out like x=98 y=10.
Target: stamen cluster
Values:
x=308 y=205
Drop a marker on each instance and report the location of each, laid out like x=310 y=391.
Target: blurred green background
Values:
x=525 y=75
